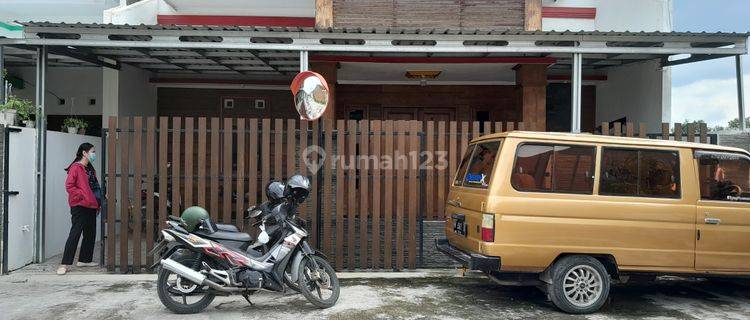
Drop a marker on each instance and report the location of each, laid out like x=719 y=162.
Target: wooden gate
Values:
x=363 y=212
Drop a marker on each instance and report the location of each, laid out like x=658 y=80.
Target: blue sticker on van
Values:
x=476 y=179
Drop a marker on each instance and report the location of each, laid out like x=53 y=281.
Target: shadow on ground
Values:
x=412 y=298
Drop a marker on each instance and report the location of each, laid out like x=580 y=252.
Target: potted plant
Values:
x=73 y=124
x=25 y=110
x=14 y=109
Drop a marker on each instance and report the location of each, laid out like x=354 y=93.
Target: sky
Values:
x=708 y=90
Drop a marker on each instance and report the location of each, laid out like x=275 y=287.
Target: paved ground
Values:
x=423 y=295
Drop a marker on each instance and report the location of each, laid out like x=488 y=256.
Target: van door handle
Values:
x=456 y=203
x=712 y=220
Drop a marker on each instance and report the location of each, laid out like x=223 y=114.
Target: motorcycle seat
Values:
x=226 y=235
x=227 y=227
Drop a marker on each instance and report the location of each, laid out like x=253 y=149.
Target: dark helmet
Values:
x=297 y=187
x=275 y=190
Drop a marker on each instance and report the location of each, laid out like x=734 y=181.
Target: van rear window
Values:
x=554 y=168
x=479 y=172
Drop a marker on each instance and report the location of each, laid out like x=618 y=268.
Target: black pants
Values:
x=83 y=220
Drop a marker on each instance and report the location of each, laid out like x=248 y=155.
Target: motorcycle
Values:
x=197 y=266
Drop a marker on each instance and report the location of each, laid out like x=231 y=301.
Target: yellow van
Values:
x=578 y=211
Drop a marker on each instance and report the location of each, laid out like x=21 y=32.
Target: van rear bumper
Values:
x=472 y=261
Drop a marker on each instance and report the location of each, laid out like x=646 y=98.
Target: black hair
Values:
x=79 y=155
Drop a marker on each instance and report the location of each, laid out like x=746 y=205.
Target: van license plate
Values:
x=459 y=224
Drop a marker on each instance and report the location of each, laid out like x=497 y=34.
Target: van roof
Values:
x=591 y=138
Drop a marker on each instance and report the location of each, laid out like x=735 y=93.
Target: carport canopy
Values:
x=280 y=52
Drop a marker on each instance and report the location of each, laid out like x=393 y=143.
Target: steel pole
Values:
x=575 y=103
x=303 y=62
x=2 y=75
x=740 y=93
x=41 y=156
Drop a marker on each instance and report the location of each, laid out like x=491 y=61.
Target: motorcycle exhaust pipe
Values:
x=192 y=275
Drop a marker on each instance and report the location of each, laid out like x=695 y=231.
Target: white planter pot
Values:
x=72 y=130
x=8 y=117
x=29 y=123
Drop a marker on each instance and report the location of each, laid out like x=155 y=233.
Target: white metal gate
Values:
x=21 y=154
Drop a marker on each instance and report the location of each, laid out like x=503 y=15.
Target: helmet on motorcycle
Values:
x=297 y=187
x=275 y=190
x=193 y=217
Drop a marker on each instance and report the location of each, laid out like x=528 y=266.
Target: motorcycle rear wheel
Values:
x=312 y=287
x=167 y=290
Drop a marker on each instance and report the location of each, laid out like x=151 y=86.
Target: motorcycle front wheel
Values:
x=181 y=295
x=321 y=286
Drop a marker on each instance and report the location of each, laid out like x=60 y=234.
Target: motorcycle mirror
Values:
x=311 y=95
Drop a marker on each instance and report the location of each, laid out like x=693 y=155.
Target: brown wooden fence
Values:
x=362 y=212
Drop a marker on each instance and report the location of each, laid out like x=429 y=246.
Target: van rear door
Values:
x=468 y=195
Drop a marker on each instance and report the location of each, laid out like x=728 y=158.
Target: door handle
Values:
x=456 y=203
x=712 y=220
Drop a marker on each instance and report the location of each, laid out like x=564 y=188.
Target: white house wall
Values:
x=61 y=148
x=616 y=15
x=633 y=91
x=76 y=85
x=137 y=97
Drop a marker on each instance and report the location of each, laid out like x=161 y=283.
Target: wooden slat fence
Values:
x=365 y=212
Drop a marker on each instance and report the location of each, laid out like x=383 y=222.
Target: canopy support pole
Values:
x=303 y=62
x=41 y=148
x=740 y=93
x=575 y=104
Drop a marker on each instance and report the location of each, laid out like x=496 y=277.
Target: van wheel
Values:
x=580 y=284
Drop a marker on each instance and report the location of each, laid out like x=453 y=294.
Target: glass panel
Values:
x=619 y=172
x=462 y=168
x=479 y=171
x=659 y=174
x=724 y=176
x=574 y=169
x=532 y=168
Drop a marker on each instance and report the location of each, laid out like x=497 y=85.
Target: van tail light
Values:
x=488 y=227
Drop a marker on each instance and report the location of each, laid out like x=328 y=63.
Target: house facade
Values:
x=195 y=95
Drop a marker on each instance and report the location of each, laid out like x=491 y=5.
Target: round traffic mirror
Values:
x=311 y=95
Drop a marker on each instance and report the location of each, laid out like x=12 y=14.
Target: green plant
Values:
x=23 y=107
x=74 y=123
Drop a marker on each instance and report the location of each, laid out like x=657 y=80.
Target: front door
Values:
x=723 y=212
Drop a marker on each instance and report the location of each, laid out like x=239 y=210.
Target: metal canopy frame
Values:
x=283 y=51
x=270 y=50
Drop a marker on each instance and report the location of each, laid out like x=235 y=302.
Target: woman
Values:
x=84 y=198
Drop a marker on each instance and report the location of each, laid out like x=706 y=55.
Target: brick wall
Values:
x=736 y=139
x=464 y=14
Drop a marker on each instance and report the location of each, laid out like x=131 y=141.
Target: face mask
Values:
x=92 y=156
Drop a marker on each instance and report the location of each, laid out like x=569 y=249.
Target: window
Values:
x=554 y=168
x=479 y=170
x=724 y=176
x=462 y=167
x=643 y=173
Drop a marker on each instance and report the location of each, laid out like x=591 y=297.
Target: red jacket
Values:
x=77 y=185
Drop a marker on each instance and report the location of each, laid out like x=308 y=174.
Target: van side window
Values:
x=479 y=171
x=462 y=168
x=554 y=168
x=724 y=176
x=642 y=173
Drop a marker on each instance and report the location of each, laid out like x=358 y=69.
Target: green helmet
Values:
x=193 y=217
